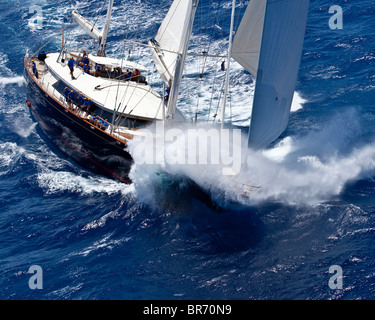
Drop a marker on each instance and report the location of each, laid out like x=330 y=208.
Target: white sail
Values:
x=280 y=55
x=246 y=43
x=87 y=26
x=170 y=38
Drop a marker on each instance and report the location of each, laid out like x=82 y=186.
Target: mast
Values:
x=172 y=101
x=103 y=39
x=228 y=67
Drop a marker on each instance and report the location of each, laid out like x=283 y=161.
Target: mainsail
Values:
x=277 y=28
x=170 y=39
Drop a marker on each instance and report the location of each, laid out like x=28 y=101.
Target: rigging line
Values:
x=119 y=114
x=138 y=21
x=118 y=85
x=127 y=116
x=218 y=103
x=200 y=27
x=190 y=84
x=125 y=94
x=118 y=88
x=124 y=105
x=137 y=30
x=212 y=92
x=208 y=25
x=97 y=17
x=126 y=35
x=192 y=54
x=211 y=36
x=200 y=63
x=130 y=97
x=151 y=46
x=107 y=86
x=52 y=38
x=197 y=108
x=216 y=20
x=230 y=108
x=228 y=92
x=111 y=83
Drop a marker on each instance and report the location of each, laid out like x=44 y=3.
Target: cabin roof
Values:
x=141 y=100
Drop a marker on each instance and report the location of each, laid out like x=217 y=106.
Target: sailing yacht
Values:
x=268 y=44
x=95 y=137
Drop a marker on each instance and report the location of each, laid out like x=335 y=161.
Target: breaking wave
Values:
x=308 y=169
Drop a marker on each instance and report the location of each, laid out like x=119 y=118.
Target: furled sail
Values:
x=87 y=26
x=279 y=60
x=248 y=38
x=170 y=38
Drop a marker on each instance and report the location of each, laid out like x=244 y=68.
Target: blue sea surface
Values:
x=96 y=238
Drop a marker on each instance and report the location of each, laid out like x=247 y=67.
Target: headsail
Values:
x=277 y=70
x=246 y=43
x=170 y=38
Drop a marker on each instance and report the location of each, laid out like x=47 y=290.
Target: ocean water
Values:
x=96 y=238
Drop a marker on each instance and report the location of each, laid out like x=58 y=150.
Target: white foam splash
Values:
x=11 y=80
x=297 y=103
x=24 y=130
x=10 y=153
x=299 y=170
x=56 y=182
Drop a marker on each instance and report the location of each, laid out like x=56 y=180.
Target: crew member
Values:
x=35 y=70
x=128 y=75
x=71 y=98
x=167 y=92
x=81 y=99
x=105 y=125
x=66 y=93
x=136 y=75
x=42 y=56
x=71 y=67
x=97 y=70
x=86 y=68
x=89 y=104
